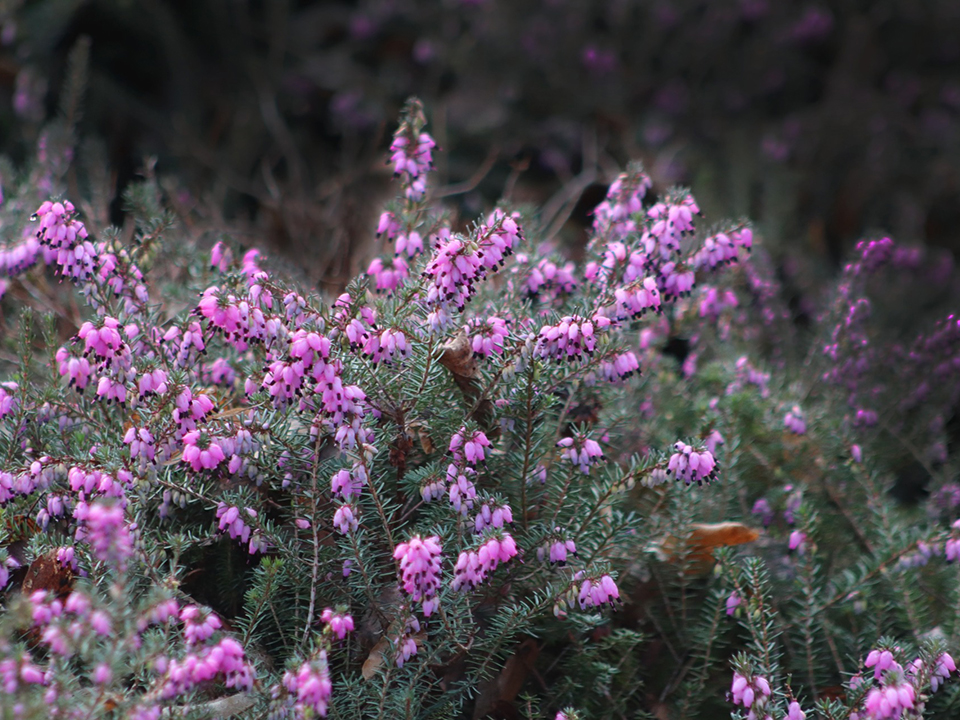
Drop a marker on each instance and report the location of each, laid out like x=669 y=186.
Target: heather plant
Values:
x=484 y=480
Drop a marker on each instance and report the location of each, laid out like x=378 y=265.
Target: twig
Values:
x=314 y=571
x=557 y=210
x=474 y=180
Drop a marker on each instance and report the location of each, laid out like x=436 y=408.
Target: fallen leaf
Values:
x=374 y=660
x=703 y=540
x=457 y=357
x=500 y=692
x=48 y=573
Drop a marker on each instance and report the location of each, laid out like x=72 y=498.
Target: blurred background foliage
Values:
x=821 y=121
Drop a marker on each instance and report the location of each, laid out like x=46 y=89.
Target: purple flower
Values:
x=746 y=691
x=557 y=550
x=570 y=338
x=473 y=566
x=107 y=533
x=794 y=421
x=345 y=519
x=198 y=625
x=389 y=274
x=691 y=465
x=492 y=515
x=201 y=451
x=581 y=450
x=420 y=569
x=339 y=623
x=597 y=592
x=487 y=336
x=469 y=446
x=797 y=542
x=312 y=686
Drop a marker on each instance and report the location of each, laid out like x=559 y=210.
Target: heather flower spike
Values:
x=419 y=561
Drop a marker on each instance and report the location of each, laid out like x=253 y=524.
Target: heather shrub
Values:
x=487 y=479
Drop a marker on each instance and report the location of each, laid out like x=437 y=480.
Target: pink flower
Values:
x=420 y=568
x=557 y=550
x=571 y=338
x=339 y=623
x=410 y=243
x=733 y=602
x=452 y=272
x=615 y=217
x=388 y=224
x=8 y=399
x=547 y=280
x=411 y=157
x=492 y=515
x=198 y=625
x=107 y=533
x=881 y=661
x=101 y=624
x=691 y=465
x=77 y=369
x=635 y=299
x=596 y=592
x=201 y=451
x=487 y=336
x=856 y=453
x=386 y=347
x=746 y=691
x=345 y=519
x=621 y=366
x=473 y=566
x=389 y=274
x=462 y=491
x=220 y=257
x=581 y=450
x=798 y=540
x=141 y=444
x=312 y=686
x=347 y=484
x=226 y=658
x=102 y=674
x=469 y=446
x=231 y=519
x=945 y=666
x=794 y=421
x=951 y=549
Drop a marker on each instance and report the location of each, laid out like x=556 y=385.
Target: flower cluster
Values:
x=571 y=338
x=419 y=561
x=794 y=421
x=597 y=592
x=312 y=687
x=581 y=451
x=691 y=465
x=487 y=336
x=340 y=624
x=750 y=691
x=473 y=566
x=557 y=550
x=469 y=447
x=411 y=152
x=615 y=218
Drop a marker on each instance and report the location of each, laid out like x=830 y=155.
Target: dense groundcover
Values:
x=510 y=469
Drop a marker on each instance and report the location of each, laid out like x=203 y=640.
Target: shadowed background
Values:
x=822 y=121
